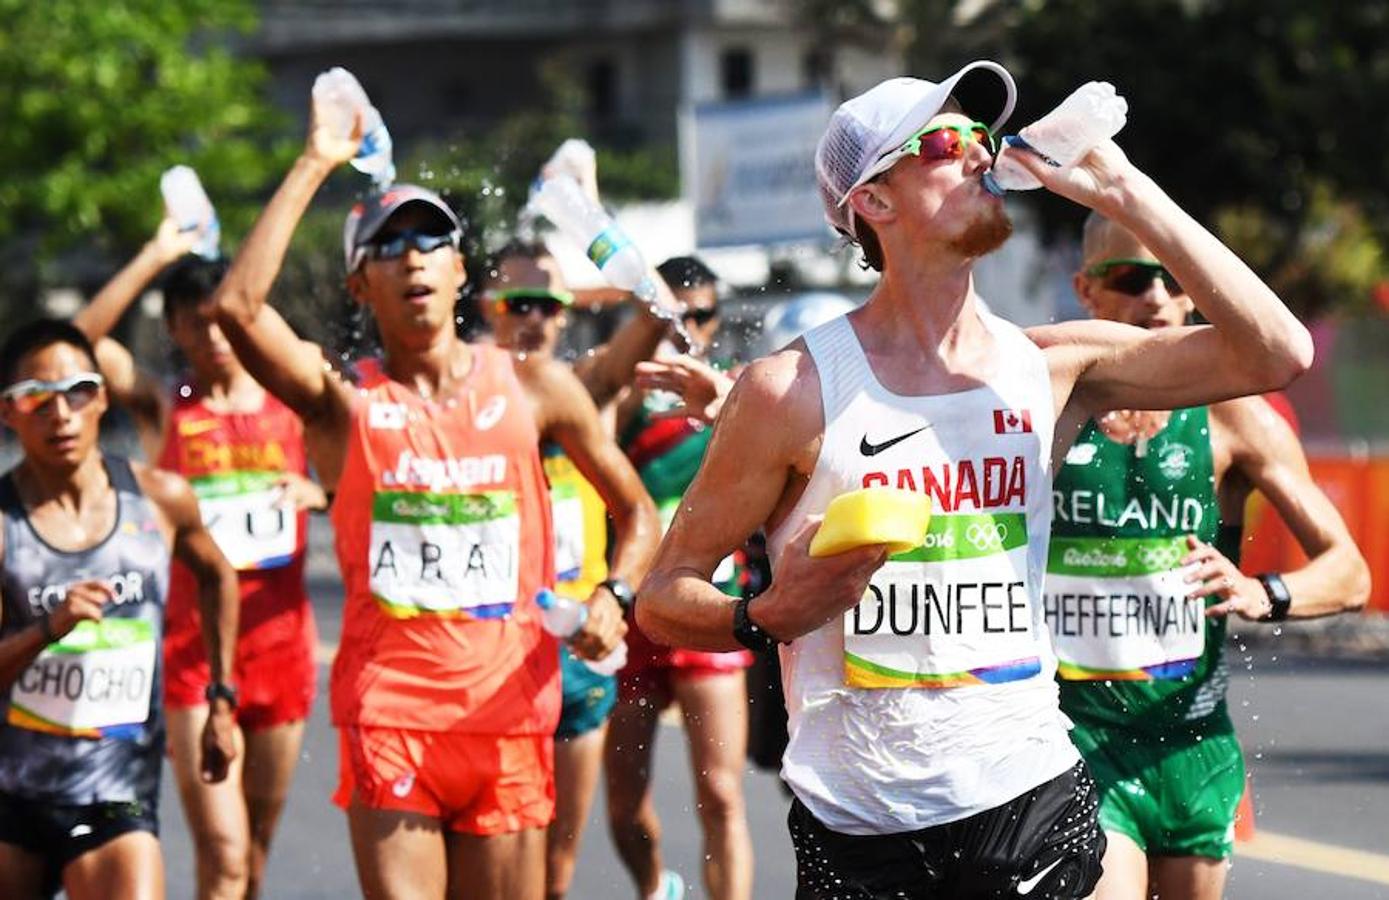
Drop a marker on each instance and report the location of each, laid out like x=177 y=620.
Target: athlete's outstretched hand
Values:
x=603 y=628
x=84 y=603
x=702 y=388
x=1216 y=576
x=169 y=244
x=808 y=591
x=218 y=742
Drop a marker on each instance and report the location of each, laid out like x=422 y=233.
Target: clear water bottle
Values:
x=561 y=200
x=575 y=158
x=563 y=618
x=187 y=204
x=1094 y=112
x=337 y=97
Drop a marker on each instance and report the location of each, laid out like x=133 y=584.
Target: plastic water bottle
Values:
x=337 y=97
x=187 y=204
x=1094 y=112
x=563 y=618
x=562 y=200
x=575 y=158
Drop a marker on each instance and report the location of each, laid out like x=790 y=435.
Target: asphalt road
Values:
x=1316 y=734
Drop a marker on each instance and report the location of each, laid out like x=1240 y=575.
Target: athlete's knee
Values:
x=720 y=795
x=224 y=859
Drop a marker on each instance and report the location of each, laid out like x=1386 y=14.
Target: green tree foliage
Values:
x=97 y=99
x=1266 y=119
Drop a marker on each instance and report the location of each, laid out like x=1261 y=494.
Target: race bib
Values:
x=239 y=510
x=954 y=611
x=1118 y=611
x=567 y=513
x=445 y=554
x=96 y=682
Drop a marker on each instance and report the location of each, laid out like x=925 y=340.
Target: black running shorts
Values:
x=1044 y=845
x=58 y=833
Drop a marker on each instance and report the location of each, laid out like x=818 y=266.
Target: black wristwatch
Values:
x=220 y=690
x=1280 y=601
x=747 y=631
x=621 y=590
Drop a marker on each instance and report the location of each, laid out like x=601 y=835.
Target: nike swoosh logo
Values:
x=868 y=449
x=1025 y=887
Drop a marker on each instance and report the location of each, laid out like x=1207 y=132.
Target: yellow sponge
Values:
x=876 y=515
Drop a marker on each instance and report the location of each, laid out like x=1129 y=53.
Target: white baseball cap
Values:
x=866 y=129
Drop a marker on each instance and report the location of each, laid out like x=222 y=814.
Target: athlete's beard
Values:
x=985 y=234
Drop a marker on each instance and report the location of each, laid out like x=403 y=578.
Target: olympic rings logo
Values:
x=986 y=536
x=1159 y=558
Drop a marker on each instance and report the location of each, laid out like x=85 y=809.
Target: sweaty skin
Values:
x=412 y=298
x=72 y=505
x=1253 y=448
x=921 y=335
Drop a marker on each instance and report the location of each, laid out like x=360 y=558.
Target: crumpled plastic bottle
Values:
x=1094 y=112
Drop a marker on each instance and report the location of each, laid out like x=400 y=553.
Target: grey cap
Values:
x=368 y=215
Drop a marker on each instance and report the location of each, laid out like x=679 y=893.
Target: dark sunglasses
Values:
x=521 y=301
x=393 y=246
x=701 y=315
x=33 y=395
x=1133 y=277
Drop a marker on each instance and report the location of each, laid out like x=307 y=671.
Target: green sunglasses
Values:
x=933 y=144
x=1133 y=277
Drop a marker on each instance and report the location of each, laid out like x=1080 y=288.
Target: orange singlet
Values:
x=233 y=461
x=443 y=535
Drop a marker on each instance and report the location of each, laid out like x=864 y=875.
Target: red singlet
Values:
x=233 y=461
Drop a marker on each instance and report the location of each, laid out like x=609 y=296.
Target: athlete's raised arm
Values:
x=1253 y=344
x=1266 y=456
x=568 y=417
x=130 y=385
x=219 y=602
x=751 y=476
x=292 y=369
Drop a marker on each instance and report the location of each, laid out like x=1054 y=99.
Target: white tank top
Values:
x=933 y=699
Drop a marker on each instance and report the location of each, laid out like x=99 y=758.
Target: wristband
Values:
x=748 y=632
x=621 y=591
x=1280 y=601
x=220 y=690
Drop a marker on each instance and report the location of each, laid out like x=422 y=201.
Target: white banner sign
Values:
x=751 y=170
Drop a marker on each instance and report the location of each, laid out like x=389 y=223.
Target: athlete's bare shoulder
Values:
x=1250 y=427
x=170 y=494
x=778 y=397
x=553 y=388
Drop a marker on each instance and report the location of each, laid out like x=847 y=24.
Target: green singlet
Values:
x=667 y=453
x=1142 y=671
